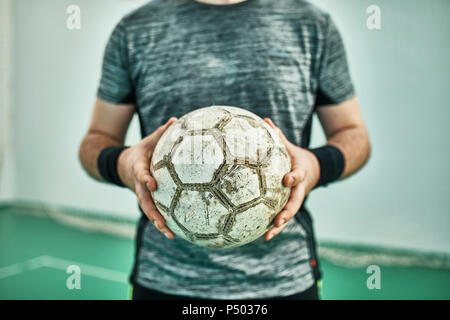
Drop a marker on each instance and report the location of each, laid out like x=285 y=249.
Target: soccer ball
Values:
x=219 y=173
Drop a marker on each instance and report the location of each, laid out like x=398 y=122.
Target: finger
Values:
x=270 y=123
x=147 y=205
x=151 y=184
x=152 y=139
x=161 y=129
x=292 y=206
x=141 y=169
x=169 y=122
x=294 y=177
x=272 y=232
x=297 y=175
x=283 y=138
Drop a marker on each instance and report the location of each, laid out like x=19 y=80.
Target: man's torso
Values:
x=260 y=55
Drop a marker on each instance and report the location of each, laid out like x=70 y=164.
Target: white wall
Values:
x=57 y=72
x=401 y=73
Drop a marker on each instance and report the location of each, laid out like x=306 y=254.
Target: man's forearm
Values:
x=354 y=144
x=90 y=149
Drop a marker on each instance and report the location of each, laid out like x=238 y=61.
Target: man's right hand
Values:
x=133 y=167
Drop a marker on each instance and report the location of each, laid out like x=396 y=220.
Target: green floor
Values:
x=35 y=253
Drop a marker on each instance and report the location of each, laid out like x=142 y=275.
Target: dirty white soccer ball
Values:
x=219 y=172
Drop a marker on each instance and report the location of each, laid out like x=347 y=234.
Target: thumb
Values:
x=157 y=134
x=294 y=177
x=160 y=131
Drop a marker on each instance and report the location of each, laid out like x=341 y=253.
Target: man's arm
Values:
x=344 y=129
x=108 y=127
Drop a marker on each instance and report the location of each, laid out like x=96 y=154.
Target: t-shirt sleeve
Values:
x=335 y=84
x=115 y=83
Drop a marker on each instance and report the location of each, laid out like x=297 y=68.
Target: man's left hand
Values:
x=304 y=175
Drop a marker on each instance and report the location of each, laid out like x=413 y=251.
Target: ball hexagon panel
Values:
x=199 y=212
x=240 y=184
x=207 y=118
x=246 y=141
x=197 y=158
x=164 y=191
x=276 y=140
x=272 y=175
x=167 y=141
x=252 y=223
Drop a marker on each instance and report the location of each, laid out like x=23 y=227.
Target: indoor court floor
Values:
x=35 y=253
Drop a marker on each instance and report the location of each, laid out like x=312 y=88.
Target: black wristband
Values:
x=107 y=164
x=332 y=163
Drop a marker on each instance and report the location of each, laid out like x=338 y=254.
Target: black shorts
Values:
x=142 y=293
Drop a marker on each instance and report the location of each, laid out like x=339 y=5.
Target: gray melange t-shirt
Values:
x=279 y=59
